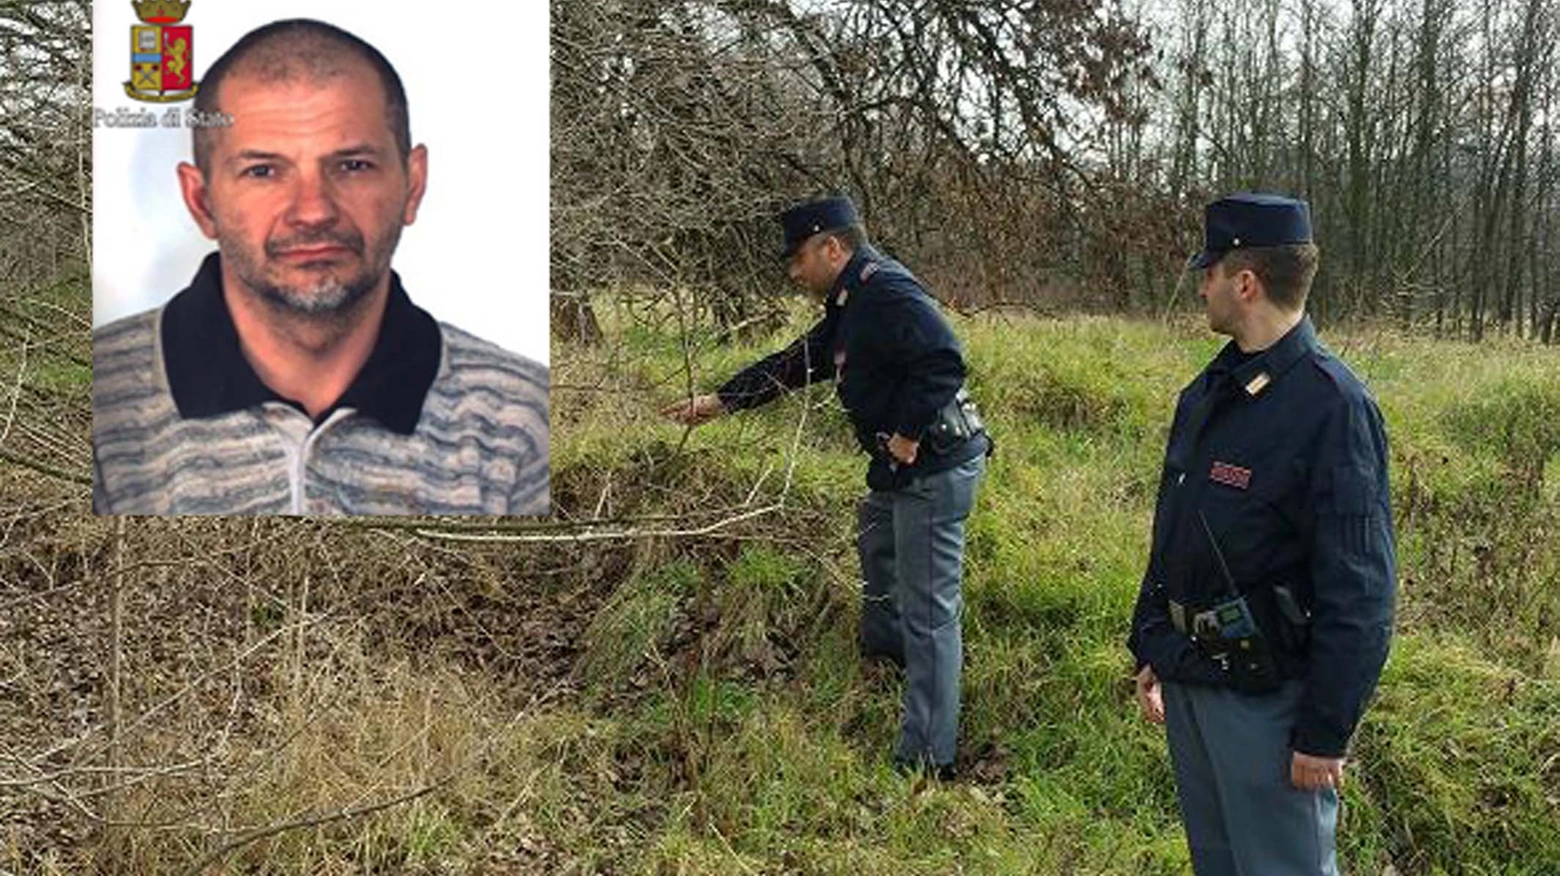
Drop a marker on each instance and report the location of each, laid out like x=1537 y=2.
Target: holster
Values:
x=957 y=422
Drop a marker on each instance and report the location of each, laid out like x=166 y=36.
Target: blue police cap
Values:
x=806 y=219
x=1251 y=219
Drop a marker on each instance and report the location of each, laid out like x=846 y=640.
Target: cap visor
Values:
x=1202 y=260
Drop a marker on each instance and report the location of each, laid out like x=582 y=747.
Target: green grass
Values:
x=717 y=718
x=783 y=765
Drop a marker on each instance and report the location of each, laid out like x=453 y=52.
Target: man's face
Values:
x=306 y=194
x=813 y=266
x=1219 y=293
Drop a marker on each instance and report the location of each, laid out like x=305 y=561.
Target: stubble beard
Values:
x=328 y=298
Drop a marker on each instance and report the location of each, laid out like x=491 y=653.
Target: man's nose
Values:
x=313 y=202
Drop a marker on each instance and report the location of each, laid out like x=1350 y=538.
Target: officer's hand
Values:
x=1150 y=698
x=696 y=410
x=902 y=449
x=1310 y=773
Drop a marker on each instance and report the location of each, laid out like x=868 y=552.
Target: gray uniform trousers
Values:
x=911 y=542
x=1232 y=758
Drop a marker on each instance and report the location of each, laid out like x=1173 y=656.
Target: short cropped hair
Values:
x=854 y=236
x=1286 y=271
x=298 y=47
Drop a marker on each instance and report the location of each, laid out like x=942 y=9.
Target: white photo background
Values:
x=476 y=87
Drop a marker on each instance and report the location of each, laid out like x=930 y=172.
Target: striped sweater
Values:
x=479 y=445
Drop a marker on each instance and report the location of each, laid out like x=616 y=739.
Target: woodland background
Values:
x=1058 y=152
x=661 y=677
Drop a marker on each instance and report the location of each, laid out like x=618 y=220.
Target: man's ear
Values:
x=192 y=186
x=1247 y=285
x=838 y=252
x=416 y=183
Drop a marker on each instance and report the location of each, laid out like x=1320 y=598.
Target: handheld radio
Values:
x=1229 y=634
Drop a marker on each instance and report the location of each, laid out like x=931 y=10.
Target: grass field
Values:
x=685 y=698
x=1458 y=764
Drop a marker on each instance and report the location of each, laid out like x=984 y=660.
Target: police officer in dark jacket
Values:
x=899 y=373
x=1265 y=614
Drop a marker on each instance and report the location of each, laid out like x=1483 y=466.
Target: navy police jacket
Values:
x=1285 y=455
x=893 y=357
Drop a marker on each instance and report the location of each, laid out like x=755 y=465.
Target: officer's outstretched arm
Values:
x=805 y=361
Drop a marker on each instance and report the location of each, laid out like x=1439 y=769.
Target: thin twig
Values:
x=310 y=821
x=343 y=814
x=615 y=535
x=16 y=391
x=44 y=468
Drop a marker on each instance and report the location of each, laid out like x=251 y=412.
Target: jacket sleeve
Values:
x=805 y=361
x=919 y=340
x=1154 y=640
x=1353 y=573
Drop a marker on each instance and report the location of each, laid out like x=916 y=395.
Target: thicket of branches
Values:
x=1058 y=152
x=45 y=234
x=45 y=138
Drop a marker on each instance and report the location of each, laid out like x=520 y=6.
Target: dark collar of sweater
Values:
x=209 y=375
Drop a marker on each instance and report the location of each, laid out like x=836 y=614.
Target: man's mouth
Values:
x=314 y=252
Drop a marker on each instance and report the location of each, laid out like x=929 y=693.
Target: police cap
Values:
x=808 y=218
x=1251 y=219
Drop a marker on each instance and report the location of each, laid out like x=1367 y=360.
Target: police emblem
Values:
x=162 y=53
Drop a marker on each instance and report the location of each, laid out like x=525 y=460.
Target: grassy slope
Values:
x=1456 y=763
x=694 y=705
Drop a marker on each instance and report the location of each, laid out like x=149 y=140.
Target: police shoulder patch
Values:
x=867 y=270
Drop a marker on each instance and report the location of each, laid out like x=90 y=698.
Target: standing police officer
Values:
x=1265 y=614
x=899 y=373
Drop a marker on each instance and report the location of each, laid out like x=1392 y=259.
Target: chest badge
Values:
x=1230 y=475
x=1258 y=383
x=839 y=300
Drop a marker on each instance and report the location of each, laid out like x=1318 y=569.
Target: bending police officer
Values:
x=1265 y=614
x=899 y=372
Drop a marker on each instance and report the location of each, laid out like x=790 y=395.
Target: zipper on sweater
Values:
x=301 y=461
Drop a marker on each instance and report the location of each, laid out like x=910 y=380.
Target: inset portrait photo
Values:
x=319 y=260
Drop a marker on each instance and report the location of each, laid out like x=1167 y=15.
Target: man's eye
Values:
x=260 y=171
x=354 y=165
